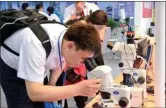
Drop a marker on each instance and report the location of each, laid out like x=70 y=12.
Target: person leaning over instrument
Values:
x=99 y=20
x=22 y=76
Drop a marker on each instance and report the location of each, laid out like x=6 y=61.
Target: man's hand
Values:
x=88 y=87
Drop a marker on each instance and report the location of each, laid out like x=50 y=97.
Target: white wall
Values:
x=159 y=87
x=143 y=23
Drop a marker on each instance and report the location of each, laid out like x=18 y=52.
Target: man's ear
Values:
x=70 y=45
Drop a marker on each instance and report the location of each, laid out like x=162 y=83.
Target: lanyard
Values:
x=59 y=52
x=60 y=57
x=60 y=60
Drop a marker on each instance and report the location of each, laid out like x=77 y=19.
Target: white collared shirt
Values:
x=32 y=64
x=43 y=13
x=54 y=17
x=70 y=10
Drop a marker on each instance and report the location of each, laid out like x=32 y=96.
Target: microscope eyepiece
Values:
x=105 y=95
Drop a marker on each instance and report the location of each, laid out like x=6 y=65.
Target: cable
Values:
x=144 y=102
x=137 y=56
x=133 y=79
x=146 y=64
x=152 y=71
x=149 y=67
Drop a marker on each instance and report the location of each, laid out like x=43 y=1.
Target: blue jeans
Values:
x=52 y=105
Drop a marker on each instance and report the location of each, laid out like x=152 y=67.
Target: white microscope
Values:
x=128 y=55
x=130 y=75
x=111 y=93
x=120 y=95
x=140 y=78
x=115 y=94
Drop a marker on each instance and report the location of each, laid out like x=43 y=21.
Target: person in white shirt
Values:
x=39 y=9
x=79 y=9
x=99 y=20
x=51 y=15
x=22 y=77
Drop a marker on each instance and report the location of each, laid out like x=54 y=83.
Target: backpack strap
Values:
x=42 y=36
x=9 y=49
x=33 y=21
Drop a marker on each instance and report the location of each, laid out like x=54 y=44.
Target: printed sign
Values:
x=147 y=9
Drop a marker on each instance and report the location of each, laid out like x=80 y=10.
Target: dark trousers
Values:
x=15 y=89
x=80 y=101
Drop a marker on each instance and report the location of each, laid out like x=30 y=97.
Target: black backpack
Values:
x=13 y=20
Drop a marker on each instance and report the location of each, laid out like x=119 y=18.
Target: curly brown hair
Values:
x=85 y=36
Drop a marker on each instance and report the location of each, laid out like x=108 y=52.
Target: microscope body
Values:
x=111 y=93
x=140 y=78
x=119 y=95
x=128 y=55
x=116 y=94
